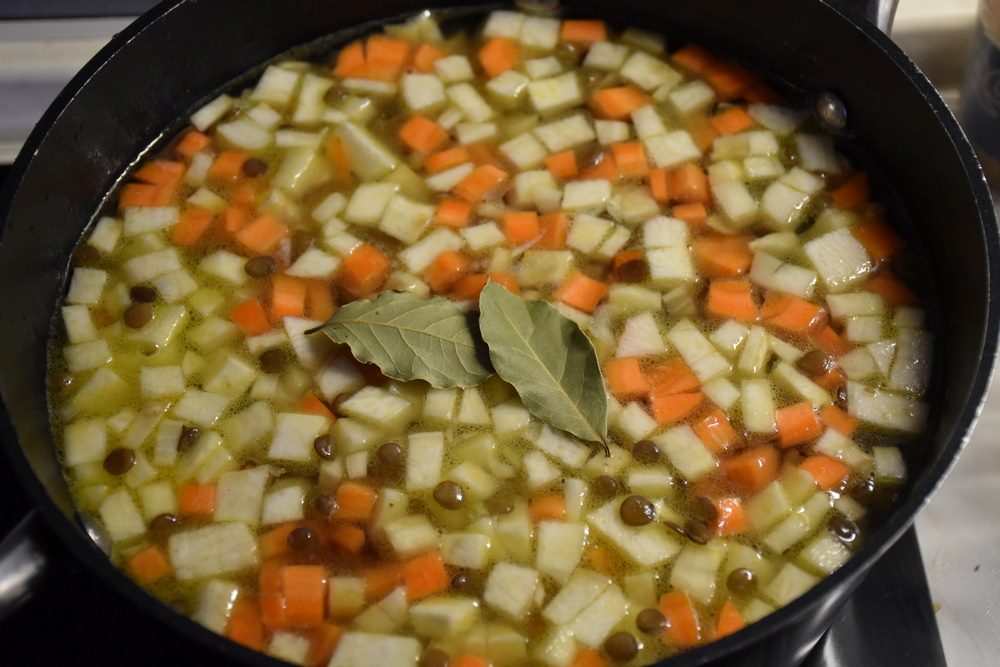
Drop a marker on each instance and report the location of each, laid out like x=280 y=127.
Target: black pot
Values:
x=181 y=53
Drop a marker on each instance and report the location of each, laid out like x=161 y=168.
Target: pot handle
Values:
x=878 y=12
x=24 y=562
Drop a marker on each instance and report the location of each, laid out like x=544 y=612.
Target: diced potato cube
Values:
x=562 y=447
x=611 y=131
x=788 y=584
x=411 y=535
x=478 y=483
x=691 y=97
x=467 y=550
x=566 y=133
x=686 y=452
x=648 y=72
x=217 y=549
x=345 y=596
x=239 y=495
x=540 y=68
x=441 y=617
x=453 y=69
x=508 y=87
x=672 y=148
x=510 y=589
x=248 y=427
x=555 y=94
x=524 y=151
x=648 y=545
x=364 y=649
x=284 y=504
x=771 y=273
x=294 y=434
x=211 y=113
x=422 y=92
x=374 y=405
x=593 y=625
x=200 y=407
x=586 y=195
x=606 y=56
x=86 y=286
x=419 y=256
x=560 y=548
x=424 y=455
x=215 y=604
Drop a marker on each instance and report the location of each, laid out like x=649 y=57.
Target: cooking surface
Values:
x=890 y=621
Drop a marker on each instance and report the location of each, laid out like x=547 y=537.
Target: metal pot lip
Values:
x=83 y=548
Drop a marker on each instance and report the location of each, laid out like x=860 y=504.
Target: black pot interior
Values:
x=180 y=54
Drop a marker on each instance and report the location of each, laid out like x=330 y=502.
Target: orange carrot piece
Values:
x=826 y=470
x=245 y=625
x=702 y=132
x=852 y=192
x=830 y=380
x=694 y=215
x=797 y=424
x=446 y=269
x=752 y=469
x=689 y=184
x=547 y=507
x=425 y=575
x=138 y=194
x=584 y=31
x=234 y=219
x=630 y=157
x=470 y=660
x=830 y=341
x=228 y=166
x=382 y=580
x=482 y=181
x=692 y=58
x=425 y=57
x=562 y=165
x=319 y=300
x=312 y=405
x=347 y=537
x=304 y=588
x=624 y=257
x=363 y=272
x=191 y=227
x=790 y=313
x=521 y=226
x=891 y=288
x=149 y=565
x=732 y=120
x=625 y=378
x=196 y=499
x=275 y=541
x=272 y=609
x=581 y=292
x=617 y=103
x=160 y=172
x=715 y=432
x=731 y=298
x=191 y=143
x=672 y=408
x=351 y=61
x=498 y=55
x=728 y=79
x=672 y=377
x=483 y=153
x=446 y=159
x=506 y=280
x=730 y=519
x=555 y=228
x=323 y=642
x=762 y=93
x=683 y=628
x=468 y=288
x=878 y=238
x=288 y=297
x=385 y=58
x=251 y=317
x=422 y=134
x=589 y=657
x=355 y=501
x=453 y=213
x=659 y=185
x=839 y=420
x=604 y=168
x=337 y=155
x=263 y=235
x=599 y=559
x=269 y=578
x=730 y=620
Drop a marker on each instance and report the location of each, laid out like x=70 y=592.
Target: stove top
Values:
x=889 y=621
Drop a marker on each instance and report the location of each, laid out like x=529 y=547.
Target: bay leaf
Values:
x=410 y=338
x=548 y=359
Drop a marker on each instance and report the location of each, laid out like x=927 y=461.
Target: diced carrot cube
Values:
x=422 y=134
x=630 y=157
x=228 y=166
x=584 y=31
x=672 y=408
x=191 y=227
x=626 y=379
x=453 y=213
x=797 y=424
x=498 y=55
x=364 y=271
x=752 y=469
x=732 y=120
x=828 y=472
x=425 y=57
x=304 y=588
x=149 y=565
x=355 y=501
x=581 y=292
x=191 y=144
x=251 y=317
x=715 y=432
x=263 y=235
x=288 y=297
x=446 y=269
x=617 y=103
x=481 y=182
x=425 y=575
x=446 y=159
x=555 y=228
x=732 y=299
x=562 y=165
x=548 y=507
x=521 y=226
x=196 y=499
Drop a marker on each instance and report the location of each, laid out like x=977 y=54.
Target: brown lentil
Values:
x=273 y=361
x=254 y=167
x=324 y=447
x=189 y=435
x=843 y=528
x=646 y=451
x=163 y=524
x=632 y=271
x=699 y=532
x=741 y=581
x=449 y=494
x=260 y=266
x=606 y=485
x=390 y=456
x=302 y=539
x=137 y=315
x=650 y=620
x=143 y=294
x=621 y=646
x=814 y=363
x=119 y=461
x=637 y=511
x=86 y=255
